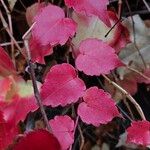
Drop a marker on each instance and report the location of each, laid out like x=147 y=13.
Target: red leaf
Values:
x=63 y=129
x=97 y=108
x=7 y=133
x=96 y=57
x=52 y=27
x=38 y=51
x=18 y=109
x=32 y=11
x=62 y=86
x=38 y=140
x=139 y=133
x=92 y=27
x=16 y=99
x=91 y=7
x=6 y=64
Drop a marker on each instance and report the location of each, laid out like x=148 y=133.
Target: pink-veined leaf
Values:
x=7 y=133
x=52 y=27
x=96 y=57
x=63 y=129
x=139 y=133
x=38 y=140
x=97 y=108
x=91 y=7
x=6 y=64
x=38 y=51
x=62 y=86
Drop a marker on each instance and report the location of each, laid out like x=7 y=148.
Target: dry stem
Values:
x=25 y=38
x=132 y=100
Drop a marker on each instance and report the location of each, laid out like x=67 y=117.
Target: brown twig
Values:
x=11 y=30
x=25 y=38
x=139 y=73
x=128 y=107
x=82 y=137
x=119 y=8
x=132 y=100
x=5 y=25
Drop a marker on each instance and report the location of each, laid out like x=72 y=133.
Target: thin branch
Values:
x=139 y=73
x=119 y=20
x=119 y=8
x=9 y=43
x=136 y=12
x=5 y=25
x=146 y=4
x=132 y=100
x=32 y=74
x=11 y=29
x=135 y=44
x=75 y=127
x=128 y=107
x=28 y=32
x=82 y=137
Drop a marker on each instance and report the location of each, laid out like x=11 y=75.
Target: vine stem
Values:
x=132 y=100
x=37 y=95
